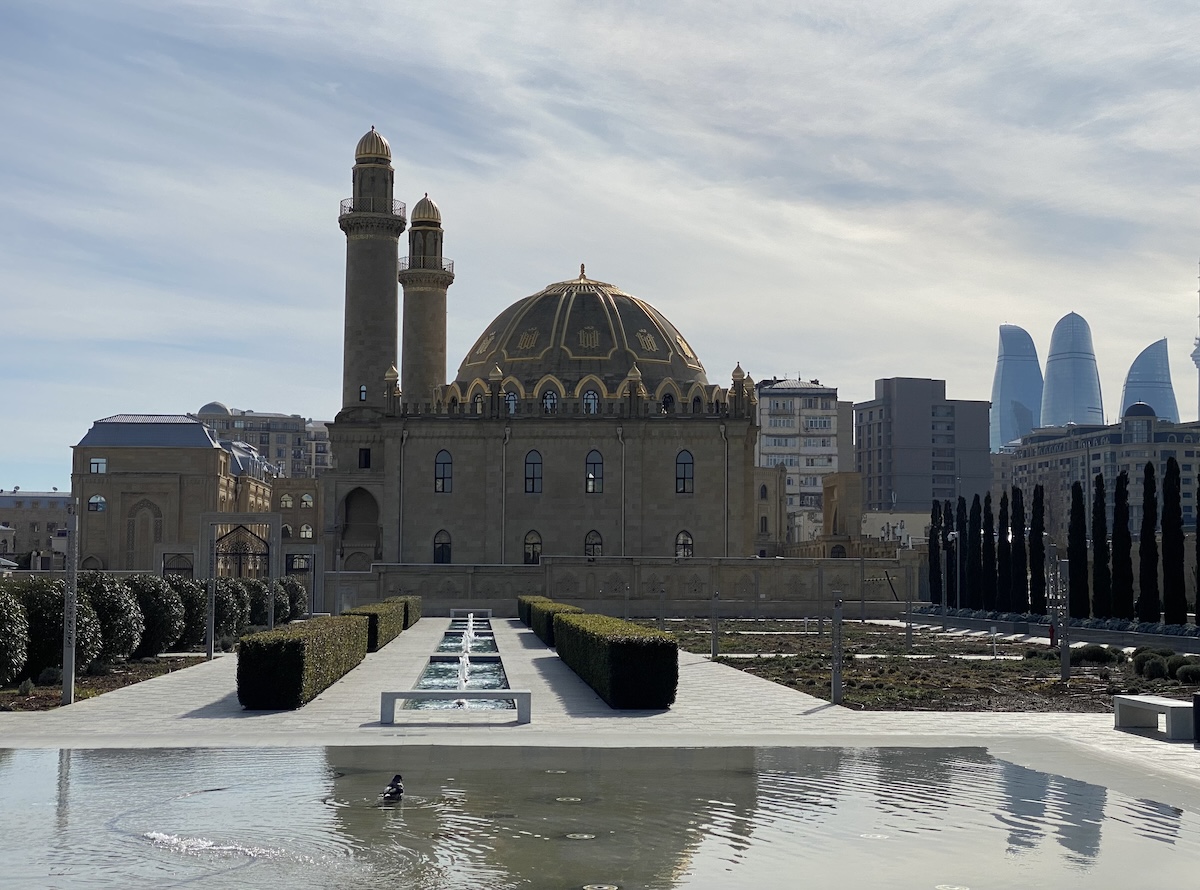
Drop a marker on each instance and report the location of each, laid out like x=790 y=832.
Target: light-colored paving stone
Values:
x=716 y=706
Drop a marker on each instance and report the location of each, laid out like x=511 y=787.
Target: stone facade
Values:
x=32 y=522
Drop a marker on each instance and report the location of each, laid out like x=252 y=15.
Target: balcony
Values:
x=372 y=205
x=434 y=263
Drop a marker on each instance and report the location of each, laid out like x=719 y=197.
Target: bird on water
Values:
x=394 y=789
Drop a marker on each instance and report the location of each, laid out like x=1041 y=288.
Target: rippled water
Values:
x=444 y=675
x=452 y=642
x=566 y=818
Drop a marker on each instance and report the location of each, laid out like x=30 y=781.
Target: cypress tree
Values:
x=1004 y=560
x=935 y=553
x=1019 y=600
x=1122 y=552
x=1101 y=577
x=1077 y=557
x=1174 y=586
x=1037 y=553
x=951 y=585
x=1149 y=607
x=975 y=555
x=960 y=526
x=987 y=542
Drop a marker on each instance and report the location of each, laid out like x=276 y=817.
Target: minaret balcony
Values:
x=367 y=204
x=432 y=263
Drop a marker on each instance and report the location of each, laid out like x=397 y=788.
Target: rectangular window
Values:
x=98 y=465
x=364 y=458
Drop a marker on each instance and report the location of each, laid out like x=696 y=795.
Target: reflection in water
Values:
x=509 y=817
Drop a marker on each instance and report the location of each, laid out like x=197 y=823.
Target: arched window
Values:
x=762 y=492
x=697 y=406
x=441 y=547
x=285 y=502
x=285 y=532
x=668 y=404
x=533 y=473
x=593 y=545
x=762 y=525
x=549 y=402
x=533 y=549
x=362 y=393
x=478 y=403
x=443 y=472
x=837 y=551
x=97 y=504
x=306 y=531
x=453 y=403
x=683 y=545
x=510 y=402
x=306 y=501
x=593 y=482
x=685 y=473
x=591 y=402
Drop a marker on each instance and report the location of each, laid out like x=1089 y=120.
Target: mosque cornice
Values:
x=371 y=225
x=426 y=278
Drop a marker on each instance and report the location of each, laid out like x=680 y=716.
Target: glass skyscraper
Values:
x=1016 y=388
x=1149 y=381
x=1072 y=389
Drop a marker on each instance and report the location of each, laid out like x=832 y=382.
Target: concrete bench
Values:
x=1141 y=712
x=522 y=698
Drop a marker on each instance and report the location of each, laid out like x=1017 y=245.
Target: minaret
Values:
x=425 y=277
x=1196 y=362
x=373 y=223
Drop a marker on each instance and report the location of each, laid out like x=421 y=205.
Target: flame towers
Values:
x=1072 y=390
x=1016 y=388
x=1149 y=381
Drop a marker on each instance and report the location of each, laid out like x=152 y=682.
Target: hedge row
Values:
x=286 y=668
x=385 y=621
x=524 y=604
x=412 y=608
x=628 y=666
x=541 y=618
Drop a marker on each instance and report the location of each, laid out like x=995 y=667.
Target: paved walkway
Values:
x=717 y=706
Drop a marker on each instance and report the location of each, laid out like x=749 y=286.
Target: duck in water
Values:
x=394 y=789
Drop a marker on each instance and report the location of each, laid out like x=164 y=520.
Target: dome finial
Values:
x=582 y=276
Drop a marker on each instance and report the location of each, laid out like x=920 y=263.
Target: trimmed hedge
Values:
x=162 y=611
x=525 y=603
x=257 y=588
x=541 y=618
x=297 y=596
x=629 y=666
x=43 y=599
x=194 y=596
x=385 y=621
x=232 y=608
x=412 y=608
x=120 y=616
x=14 y=636
x=1189 y=674
x=286 y=668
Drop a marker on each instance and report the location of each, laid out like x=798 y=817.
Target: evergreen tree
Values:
x=935 y=553
x=987 y=541
x=1019 y=599
x=1122 y=552
x=1174 y=585
x=960 y=526
x=1101 y=576
x=1078 y=605
x=1004 y=560
x=951 y=555
x=975 y=555
x=1149 y=606
x=1037 y=553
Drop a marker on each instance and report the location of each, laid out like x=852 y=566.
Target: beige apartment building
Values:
x=295 y=446
x=34 y=523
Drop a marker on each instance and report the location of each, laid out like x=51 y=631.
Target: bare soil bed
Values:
x=44 y=698
x=1027 y=680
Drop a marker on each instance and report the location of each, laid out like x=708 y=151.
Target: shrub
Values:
x=232 y=608
x=297 y=597
x=524 y=603
x=1118 y=654
x=412 y=608
x=257 y=590
x=629 y=666
x=1155 y=668
x=14 y=636
x=1140 y=659
x=385 y=621
x=43 y=599
x=541 y=616
x=1189 y=674
x=1175 y=662
x=162 y=612
x=49 y=677
x=286 y=668
x=1092 y=653
x=194 y=596
x=121 y=621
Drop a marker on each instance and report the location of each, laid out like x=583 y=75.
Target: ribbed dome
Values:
x=1140 y=409
x=579 y=327
x=426 y=211
x=214 y=408
x=372 y=145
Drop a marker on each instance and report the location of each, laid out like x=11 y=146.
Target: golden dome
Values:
x=372 y=145
x=426 y=211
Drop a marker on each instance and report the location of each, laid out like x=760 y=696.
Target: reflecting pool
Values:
x=572 y=817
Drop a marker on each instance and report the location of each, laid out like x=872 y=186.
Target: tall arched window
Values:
x=306 y=531
x=285 y=531
x=591 y=402
x=306 y=501
x=443 y=472
x=593 y=482
x=441 y=547
x=362 y=393
x=683 y=545
x=593 y=545
x=533 y=549
x=685 y=473
x=478 y=403
x=97 y=504
x=533 y=473
x=762 y=492
x=549 y=402
x=762 y=525
x=285 y=502
x=510 y=402
x=697 y=406
x=668 y=404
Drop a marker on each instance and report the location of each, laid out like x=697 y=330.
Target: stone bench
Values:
x=1141 y=712
x=522 y=698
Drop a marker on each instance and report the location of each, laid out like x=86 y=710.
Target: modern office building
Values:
x=1016 y=387
x=912 y=445
x=1072 y=388
x=1149 y=381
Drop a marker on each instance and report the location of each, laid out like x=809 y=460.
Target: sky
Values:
x=840 y=191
